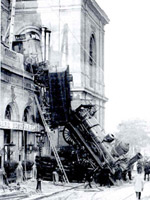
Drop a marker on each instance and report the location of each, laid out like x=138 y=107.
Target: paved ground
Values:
x=72 y=191
x=27 y=190
x=123 y=192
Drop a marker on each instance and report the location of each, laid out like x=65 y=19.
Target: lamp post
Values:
x=40 y=143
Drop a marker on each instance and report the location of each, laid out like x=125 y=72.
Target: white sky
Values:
x=127 y=60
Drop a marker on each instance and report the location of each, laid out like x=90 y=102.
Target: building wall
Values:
x=5 y=12
x=92 y=23
x=71 y=23
x=64 y=35
x=17 y=91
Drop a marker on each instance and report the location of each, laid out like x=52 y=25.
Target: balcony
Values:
x=13 y=62
x=11 y=58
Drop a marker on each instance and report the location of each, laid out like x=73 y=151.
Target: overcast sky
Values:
x=127 y=61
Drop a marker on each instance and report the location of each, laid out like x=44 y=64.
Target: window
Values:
x=18 y=46
x=29 y=44
x=92 y=60
x=32 y=46
x=28 y=115
x=8 y=112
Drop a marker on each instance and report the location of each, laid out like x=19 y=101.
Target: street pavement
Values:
x=123 y=192
x=71 y=191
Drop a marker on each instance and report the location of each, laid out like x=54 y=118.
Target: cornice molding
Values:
x=92 y=5
x=94 y=95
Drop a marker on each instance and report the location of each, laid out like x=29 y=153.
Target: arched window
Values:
x=12 y=111
x=7 y=132
x=8 y=112
x=33 y=45
x=28 y=43
x=28 y=115
x=92 y=60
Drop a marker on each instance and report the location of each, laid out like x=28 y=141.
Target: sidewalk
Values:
x=27 y=189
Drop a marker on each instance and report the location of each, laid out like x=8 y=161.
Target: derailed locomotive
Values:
x=94 y=146
x=93 y=149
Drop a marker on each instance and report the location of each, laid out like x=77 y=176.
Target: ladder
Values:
x=48 y=131
x=11 y=31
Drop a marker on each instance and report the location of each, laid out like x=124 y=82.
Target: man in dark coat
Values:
x=106 y=175
x=88 y=178
x=39 y=176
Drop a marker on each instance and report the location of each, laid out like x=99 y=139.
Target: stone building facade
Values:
x=19 y=119
x=76 y=39
x=60 y=32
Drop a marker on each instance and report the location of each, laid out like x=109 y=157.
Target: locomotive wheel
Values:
x=67 y=136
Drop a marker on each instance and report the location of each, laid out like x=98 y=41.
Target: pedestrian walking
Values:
x=138 y=183
x=147 y=170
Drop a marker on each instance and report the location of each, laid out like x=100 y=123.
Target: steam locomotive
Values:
x=84 y=132
x=91 y=146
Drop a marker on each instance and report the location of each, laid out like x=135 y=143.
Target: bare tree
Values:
x=135 y=132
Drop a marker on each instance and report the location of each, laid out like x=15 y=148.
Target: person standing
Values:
x=19 y=173
x=118 y=174
x=34 y=172
x=55 y=176
x=138 y=183
x=88 y=178
x=38 y=177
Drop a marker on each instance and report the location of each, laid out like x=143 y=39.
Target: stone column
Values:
x=49 y=37
x=47 y=33
x=44 y=43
